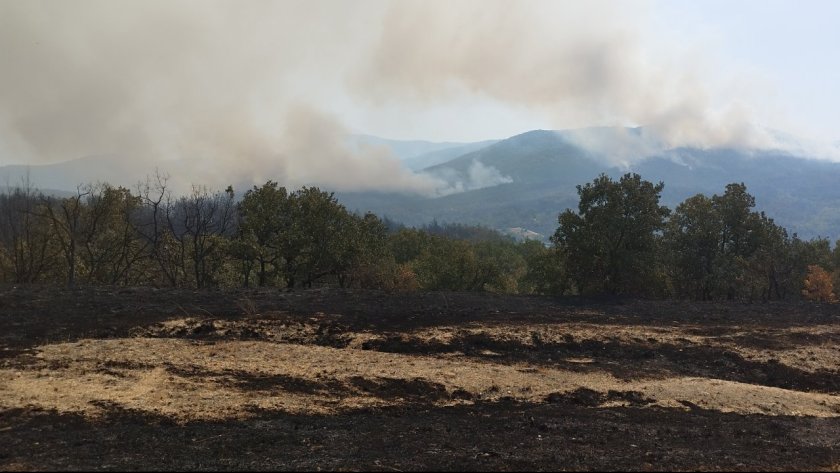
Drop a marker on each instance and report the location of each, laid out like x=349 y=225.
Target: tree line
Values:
x=620 y=241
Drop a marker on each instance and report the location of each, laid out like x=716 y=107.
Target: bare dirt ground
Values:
x=145 y=379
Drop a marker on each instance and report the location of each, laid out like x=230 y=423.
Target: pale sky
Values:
x=792 y=47
x=255 y=85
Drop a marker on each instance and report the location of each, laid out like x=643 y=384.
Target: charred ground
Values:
x=137 y=378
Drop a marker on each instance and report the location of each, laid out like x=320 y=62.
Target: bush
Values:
x=818 y=285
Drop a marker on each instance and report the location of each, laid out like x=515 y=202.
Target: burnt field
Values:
x=137 y=378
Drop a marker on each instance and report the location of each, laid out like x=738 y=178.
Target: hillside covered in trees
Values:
x=619 y=241
x=542 y=167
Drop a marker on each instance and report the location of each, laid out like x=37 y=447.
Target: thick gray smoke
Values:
x=582 y=63
x=212 y=92
x=243 y=91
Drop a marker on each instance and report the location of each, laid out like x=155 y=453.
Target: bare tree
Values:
x=201 y=223
x=153 y=225
x=65 y=218
x=26 y=253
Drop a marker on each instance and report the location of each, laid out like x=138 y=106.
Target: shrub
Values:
x=818 y=285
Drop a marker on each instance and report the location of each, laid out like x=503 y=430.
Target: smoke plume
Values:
x=478 y=176
x=220 y=92
x=212 y=92
x=582 y=63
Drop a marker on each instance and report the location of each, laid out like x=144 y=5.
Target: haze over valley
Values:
x=524 y=181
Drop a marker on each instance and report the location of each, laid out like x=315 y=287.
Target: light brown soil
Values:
x=329 y=379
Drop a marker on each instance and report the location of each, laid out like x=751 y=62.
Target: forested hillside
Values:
x=621 y=240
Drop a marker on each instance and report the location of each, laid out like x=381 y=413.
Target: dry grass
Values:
x=187 y=379
x=362 y=380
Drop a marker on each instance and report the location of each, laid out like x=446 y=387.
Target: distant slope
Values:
x=65 y=176
x=543 y=168
x=406 y=149
x=440 y=156
x=532 y=157
x=45 y=191
x=801 y=194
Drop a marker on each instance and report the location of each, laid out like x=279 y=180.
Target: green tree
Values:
x=110 y=247
x=500 y=266
x=265 y=219
x=740 y=236
x=408 y=244
x=692 y=238
x=304 y=236
x=799 y=255
x=481 y=260
x=763 y=269
x=448 y=265
x=720 y=248
x=610 y=244
x=365 y=260
x=319 y=241
x=545 y=269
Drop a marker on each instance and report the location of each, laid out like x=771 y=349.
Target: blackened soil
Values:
x=564 y=434
x=577 y=430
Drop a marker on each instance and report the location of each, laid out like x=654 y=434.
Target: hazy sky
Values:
x=258 y=87
x=782 y=56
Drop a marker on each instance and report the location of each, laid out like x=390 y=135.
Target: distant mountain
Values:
x=65 y=176
x=530 y=178
x=45 y=191
x=418 y=154
x=801 y=194
x=545 y=166
x=406 y=149
x=530 y=158
x=440 y=156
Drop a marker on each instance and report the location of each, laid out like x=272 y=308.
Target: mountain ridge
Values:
x=546 y=166
x=537 y=173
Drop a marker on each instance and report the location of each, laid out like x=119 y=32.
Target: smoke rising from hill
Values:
x=223 y=91
x=583 y=63
x=210 y=91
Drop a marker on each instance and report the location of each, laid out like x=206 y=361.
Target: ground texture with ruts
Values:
x=145 y=379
